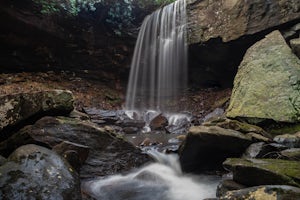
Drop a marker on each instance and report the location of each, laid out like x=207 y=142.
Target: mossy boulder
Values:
x=266 y=192
x=267 y=85
x=18 y=108
x=35 y=172
x=206 y=147
x=254 y=172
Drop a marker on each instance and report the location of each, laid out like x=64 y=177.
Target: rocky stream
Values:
x=66 y=131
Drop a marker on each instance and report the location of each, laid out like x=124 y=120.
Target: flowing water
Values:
x=162 y=180
x=158 y=75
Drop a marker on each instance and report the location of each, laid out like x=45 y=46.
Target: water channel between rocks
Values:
x=162 y=180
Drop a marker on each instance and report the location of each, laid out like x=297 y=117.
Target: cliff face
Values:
x=231 y=19
x=220 y=32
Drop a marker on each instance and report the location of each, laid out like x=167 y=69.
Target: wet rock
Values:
x=181 y=137
x=2 y=160
x=218 y=112
x=131 y=130
x=258 y=138
x=291 y=154
x=228 y=185
x=108 y=116
x=75 y=154
x=290 y=140
x=131 y=123
x=158 y=123
x=232 y=19
x=263 y=150
x=179 y=124
x=278 y=192
x=108 y=154
x=34 y=172
x=79 y=115
x=253 y=172
x=18 y=108
x=206 y=147
x=295 y=45
x=260 y=70
x=291 y=32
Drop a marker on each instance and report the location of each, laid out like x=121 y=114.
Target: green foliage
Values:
x=73 y=7
x=119 y=16
x=47 y=6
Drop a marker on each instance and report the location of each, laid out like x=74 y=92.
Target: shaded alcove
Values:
x=214 y=64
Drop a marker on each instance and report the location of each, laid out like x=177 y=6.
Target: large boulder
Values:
x=108 y=154
x=34 y=172
x=268 y=78
x=206 y=147
x=254 y=172
x=270 y=192
x=18 y=108
x=231 y=19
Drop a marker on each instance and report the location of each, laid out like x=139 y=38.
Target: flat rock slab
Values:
x=254 y=172
x=206 y=147
x=267 y=85
x=17 y=108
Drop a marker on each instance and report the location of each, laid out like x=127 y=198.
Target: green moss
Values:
x=288 y=171
x=278 y=129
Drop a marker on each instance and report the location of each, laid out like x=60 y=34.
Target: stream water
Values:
x=161 y=180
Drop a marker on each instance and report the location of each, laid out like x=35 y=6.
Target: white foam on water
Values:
x=163 y=180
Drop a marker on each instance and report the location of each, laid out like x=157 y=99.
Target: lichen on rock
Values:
x=267 y=85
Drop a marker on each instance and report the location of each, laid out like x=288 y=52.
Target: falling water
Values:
x=158 y=73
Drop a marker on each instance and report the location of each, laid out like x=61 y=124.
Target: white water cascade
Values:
x=158 y=75
x=162 y=180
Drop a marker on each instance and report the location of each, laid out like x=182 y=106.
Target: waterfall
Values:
x=158 y=75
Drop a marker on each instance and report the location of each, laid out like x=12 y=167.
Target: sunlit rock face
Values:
x=267 y=83
x=220 y=32
x=231 y=19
